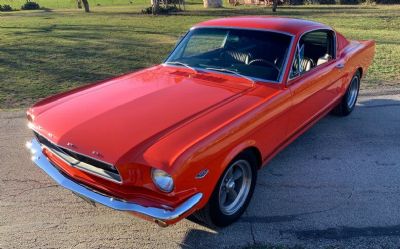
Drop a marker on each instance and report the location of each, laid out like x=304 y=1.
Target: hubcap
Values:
x=235 y=187
x=353 y=91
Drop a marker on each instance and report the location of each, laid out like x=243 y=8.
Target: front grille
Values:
x=80 y=161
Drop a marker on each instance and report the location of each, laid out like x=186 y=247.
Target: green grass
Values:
x=49 y=51
x=57 y=4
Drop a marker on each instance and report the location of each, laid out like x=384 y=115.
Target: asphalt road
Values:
x=337 y=185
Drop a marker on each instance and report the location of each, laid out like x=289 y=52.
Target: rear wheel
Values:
x=232 y=194
x=348 y=102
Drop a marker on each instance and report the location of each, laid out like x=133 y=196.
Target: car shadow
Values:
x=304 y=186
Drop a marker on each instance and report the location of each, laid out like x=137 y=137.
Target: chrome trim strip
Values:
x=176 y=46
x=284 y=66
x=200 y=69
x=244 y=28
x=158 y=214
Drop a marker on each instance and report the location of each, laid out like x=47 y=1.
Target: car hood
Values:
x=108 y=119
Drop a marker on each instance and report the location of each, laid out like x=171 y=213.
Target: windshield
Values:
x=252 y=53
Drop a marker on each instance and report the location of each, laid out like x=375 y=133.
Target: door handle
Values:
x=340 y=66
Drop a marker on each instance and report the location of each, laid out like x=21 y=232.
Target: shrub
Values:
x=161 y=10
x=147 y=10
x=30 y=6
x=5 y=7
x=295 y=2
x=388 y=1
x=327 y=1
x=349 y=1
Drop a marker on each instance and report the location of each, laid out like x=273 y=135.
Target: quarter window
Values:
x=314 y=48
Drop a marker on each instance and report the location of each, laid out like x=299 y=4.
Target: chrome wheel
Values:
x=235 y=187
x=353 y=92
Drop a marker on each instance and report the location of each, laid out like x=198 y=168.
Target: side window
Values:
x=314 y=48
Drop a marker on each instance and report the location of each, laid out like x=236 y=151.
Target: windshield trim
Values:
x=284 y=67
x=201 y=69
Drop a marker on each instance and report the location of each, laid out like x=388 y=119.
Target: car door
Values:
x=315 y=78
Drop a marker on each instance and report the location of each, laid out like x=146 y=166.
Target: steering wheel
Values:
x=265 y=62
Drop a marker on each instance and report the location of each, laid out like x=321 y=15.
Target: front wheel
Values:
x=348 y=102
x=232 y=194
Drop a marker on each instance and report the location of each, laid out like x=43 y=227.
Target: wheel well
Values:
x=361 y=71
x=257 y=154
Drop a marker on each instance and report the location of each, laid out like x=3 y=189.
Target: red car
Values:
x=188 y=136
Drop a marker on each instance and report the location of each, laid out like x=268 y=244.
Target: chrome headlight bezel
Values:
x=162 y=180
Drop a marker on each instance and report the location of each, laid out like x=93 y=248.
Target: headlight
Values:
x=162 y=180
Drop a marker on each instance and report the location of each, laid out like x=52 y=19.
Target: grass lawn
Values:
x=68 y=4
x=49 y=51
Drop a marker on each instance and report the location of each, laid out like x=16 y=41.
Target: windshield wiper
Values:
x=181 y=64
x=232 y=72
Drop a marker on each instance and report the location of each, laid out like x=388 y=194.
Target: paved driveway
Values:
x=338 y=184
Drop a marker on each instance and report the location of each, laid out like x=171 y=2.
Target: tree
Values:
x=274 y=5
x=86 y=5
x=212 y=3
x=155 y=6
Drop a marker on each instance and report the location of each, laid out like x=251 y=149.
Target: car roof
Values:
x=287 y=25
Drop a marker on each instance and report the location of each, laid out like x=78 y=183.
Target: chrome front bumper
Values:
x=159 y=215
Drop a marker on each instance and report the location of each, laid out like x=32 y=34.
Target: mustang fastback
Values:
x=188 y=136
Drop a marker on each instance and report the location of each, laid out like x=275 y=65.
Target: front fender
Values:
x=236 y=151
x=215 y=161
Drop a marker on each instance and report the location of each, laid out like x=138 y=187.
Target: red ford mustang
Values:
x=188 y=136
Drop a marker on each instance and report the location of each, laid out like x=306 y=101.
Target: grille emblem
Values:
x=96 y=153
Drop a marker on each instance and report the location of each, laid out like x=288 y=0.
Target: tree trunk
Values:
x=274 y=5
x=86 y=5
x=79 y=3
x=212 y=3
x=155 y=6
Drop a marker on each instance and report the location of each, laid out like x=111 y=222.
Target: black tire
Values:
x=212 y=215
x=348 y=102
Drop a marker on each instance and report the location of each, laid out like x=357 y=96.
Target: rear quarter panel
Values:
x=356 y=55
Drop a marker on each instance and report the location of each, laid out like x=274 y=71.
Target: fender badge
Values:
x=202 y=174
